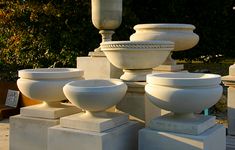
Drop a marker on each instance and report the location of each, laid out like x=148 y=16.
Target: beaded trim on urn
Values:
x=137 y=45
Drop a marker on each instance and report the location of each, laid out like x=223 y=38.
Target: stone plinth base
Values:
x=195 y=125
x=97 y=53
x=98 y=68
x=136 y=104
x=230 y=142
x=27 y=133
x=42 y=111
x=124 y=137
x=99 y=123
x=212 y=139
x=168 y=68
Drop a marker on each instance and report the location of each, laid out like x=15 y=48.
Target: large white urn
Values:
x=183 y=93
x=95 y=95
x=46 y=84
x=136 y=58
x=181 y=34
x=106 y=16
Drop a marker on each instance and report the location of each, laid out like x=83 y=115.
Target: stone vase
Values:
x=106 y=16
x=181 y=34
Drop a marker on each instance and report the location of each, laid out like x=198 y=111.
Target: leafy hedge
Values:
x=54 y=32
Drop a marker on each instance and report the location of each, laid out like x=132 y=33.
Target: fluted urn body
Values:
x=183 y=93
x=136 y=58
x=46 y=84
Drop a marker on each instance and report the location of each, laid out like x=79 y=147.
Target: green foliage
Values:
x=45 y=33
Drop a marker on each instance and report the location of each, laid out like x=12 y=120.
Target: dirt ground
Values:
x=4 y=134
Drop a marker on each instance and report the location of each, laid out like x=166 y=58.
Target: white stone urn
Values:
x=95 y=95
x=106 y=16
x=136 y=58
x=46 y=84
x=183 y=93
x=181 y=34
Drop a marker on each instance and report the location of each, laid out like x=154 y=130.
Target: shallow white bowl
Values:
x=95 y=95
x=183 y=92
x=46 y=84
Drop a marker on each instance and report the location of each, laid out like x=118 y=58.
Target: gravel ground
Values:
x=4 y=134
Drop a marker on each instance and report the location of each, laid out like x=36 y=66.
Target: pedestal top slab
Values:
x=193 y=126
x=40 y=111
x=98 y=123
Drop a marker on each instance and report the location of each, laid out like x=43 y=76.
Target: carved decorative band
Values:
x=137 y=46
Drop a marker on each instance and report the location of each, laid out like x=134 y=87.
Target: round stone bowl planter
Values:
x=95 y=95
x=181 y=34
x=46 y=84
x=183 y=93
x=136 y=58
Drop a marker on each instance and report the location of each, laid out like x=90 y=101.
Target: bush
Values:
x=52 y=33
x=45 y=33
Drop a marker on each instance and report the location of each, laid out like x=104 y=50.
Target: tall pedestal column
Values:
x=98 y=67
x=137 y=105
x=230 y=82
x=169 y=65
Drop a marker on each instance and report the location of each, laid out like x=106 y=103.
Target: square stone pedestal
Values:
x=169 y=68
x=211 y=139
x=124 y=137
x=29 y=130
x=137 y=105
x=41 y=111
x=98 y=68
x=27 y=133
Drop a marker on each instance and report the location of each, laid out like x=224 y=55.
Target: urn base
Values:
x=191 y=124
